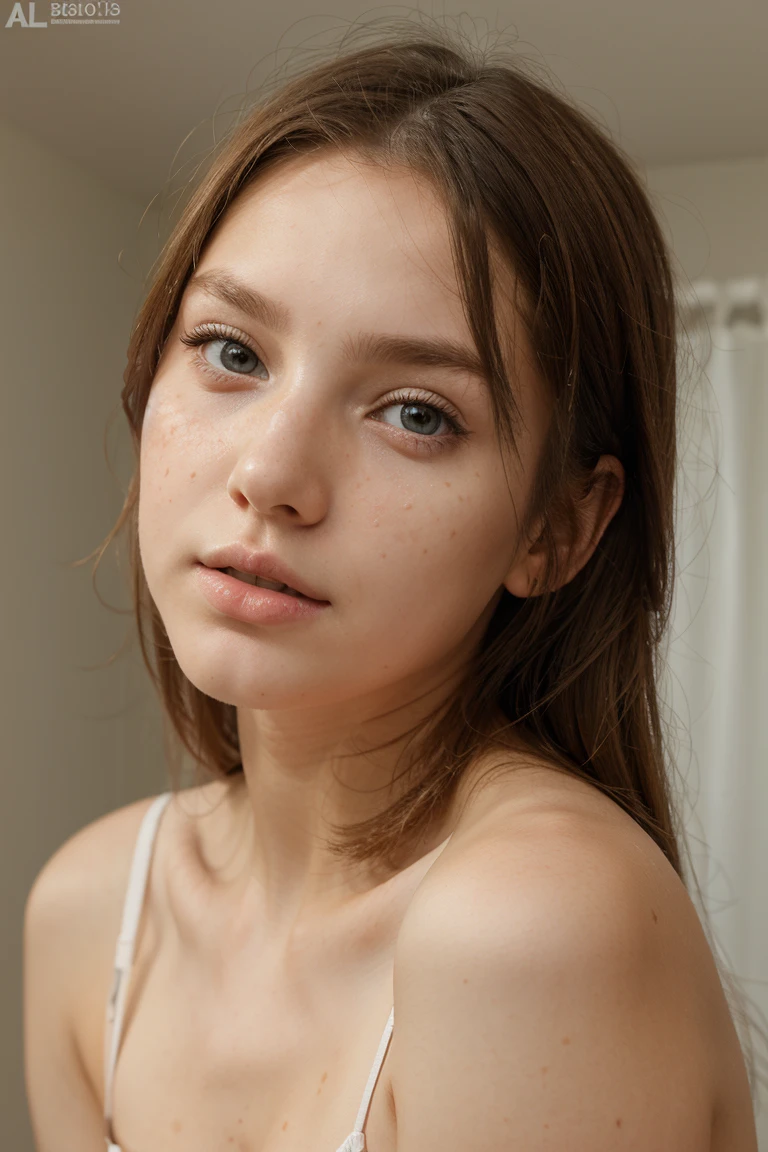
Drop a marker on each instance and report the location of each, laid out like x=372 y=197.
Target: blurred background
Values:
x=103 y=125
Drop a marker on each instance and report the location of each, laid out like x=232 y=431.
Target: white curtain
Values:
x=716 y=679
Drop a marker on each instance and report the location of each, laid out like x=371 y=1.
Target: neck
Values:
x=308 y=774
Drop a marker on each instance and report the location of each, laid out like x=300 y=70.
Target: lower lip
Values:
x=254 y=605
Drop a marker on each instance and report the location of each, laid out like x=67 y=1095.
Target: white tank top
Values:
x=134 y=899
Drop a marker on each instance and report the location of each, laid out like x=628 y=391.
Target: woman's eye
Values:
x=231 y=355
x=414 y=417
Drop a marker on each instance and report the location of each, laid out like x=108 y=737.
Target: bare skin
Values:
x=225 y=1048
x=264 y=972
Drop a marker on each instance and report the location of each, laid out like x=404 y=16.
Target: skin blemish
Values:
x=407 y=507
x=618 y=1122
x=323 y=1079
x=448 y=483
x=566 y=1040
x=453 y=533
x=285 y=1125
x=466 y=979
x=176 y=1126
x=192 y=475
x=655 y=917
x=167 y=471
x=545 y=1069
x=383 y=555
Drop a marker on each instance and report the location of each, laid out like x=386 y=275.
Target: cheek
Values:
x=437 y=557
x=174 y=444
x=170 y=466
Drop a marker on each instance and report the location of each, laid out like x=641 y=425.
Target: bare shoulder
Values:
x=81 y=887
x=71 y=922
x=76 y=902
x=552 y=983
x=84 y=878
x=90 y=849
x=78 y=896
x=558 y=853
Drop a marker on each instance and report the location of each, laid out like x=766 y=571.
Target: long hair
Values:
x=521 y=170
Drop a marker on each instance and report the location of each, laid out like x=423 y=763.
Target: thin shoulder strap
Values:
x=374 y=1074
x=356 y=1141
x=134 y=899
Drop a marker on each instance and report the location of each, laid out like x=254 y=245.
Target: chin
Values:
x=258 y=683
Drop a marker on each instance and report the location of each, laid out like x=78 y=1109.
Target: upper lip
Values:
x=264 y=564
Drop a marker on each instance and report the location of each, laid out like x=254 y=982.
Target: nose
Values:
x=284 y=452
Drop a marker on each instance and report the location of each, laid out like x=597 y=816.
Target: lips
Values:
x=262 y=582
x=262 y=568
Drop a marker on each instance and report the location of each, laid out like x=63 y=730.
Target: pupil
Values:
x=421 y=418
x=232 y=355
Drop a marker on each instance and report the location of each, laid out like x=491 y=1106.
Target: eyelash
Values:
x=208 y=333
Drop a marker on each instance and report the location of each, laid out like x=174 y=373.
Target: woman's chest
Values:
x=252 y=1070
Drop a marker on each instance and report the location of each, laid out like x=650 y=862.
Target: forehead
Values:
x=341 y=234
x=359 y=197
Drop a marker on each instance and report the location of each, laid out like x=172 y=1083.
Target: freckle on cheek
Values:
x=167 y=471
x=192 y=475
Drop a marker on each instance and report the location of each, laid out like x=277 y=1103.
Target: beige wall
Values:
x=715 y=216
x=75 y=744
x=79 y=743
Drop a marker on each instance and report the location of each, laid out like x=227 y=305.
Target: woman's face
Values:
x=379 y=482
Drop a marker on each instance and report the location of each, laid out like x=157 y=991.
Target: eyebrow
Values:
x=428 y=352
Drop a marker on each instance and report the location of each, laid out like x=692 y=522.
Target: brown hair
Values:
x=518 y=167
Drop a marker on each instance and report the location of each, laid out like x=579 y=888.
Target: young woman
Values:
x=403 y=389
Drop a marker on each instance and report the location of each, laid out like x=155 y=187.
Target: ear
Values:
x=595 y=510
